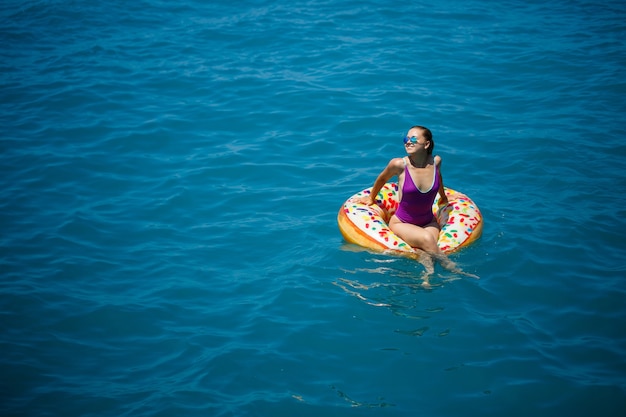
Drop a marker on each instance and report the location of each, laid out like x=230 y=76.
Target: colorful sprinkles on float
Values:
x=460 y=220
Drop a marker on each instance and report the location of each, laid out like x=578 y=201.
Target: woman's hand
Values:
x=366 y=200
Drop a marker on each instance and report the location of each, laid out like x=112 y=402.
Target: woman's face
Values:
x=414 y=140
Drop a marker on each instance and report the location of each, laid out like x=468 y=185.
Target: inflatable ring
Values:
x=460 y=221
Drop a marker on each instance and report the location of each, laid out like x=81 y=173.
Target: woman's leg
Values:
x=425 y=238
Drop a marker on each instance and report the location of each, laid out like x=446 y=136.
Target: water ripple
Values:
x=171 y=175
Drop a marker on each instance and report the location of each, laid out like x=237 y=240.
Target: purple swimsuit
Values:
x=416 y=207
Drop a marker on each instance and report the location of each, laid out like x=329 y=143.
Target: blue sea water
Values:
x=170 y=178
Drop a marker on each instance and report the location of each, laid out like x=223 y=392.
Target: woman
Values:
x=419 y=181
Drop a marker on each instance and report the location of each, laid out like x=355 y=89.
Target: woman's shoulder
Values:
x=398 y=163
x=437 y=160
x=395 y=166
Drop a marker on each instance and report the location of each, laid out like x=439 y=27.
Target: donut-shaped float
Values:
x=460 y=221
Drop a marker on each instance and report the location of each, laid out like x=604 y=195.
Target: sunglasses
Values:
x=412 y=139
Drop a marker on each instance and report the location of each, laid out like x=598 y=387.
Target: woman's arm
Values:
x=393 y=168
x=443 y=199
